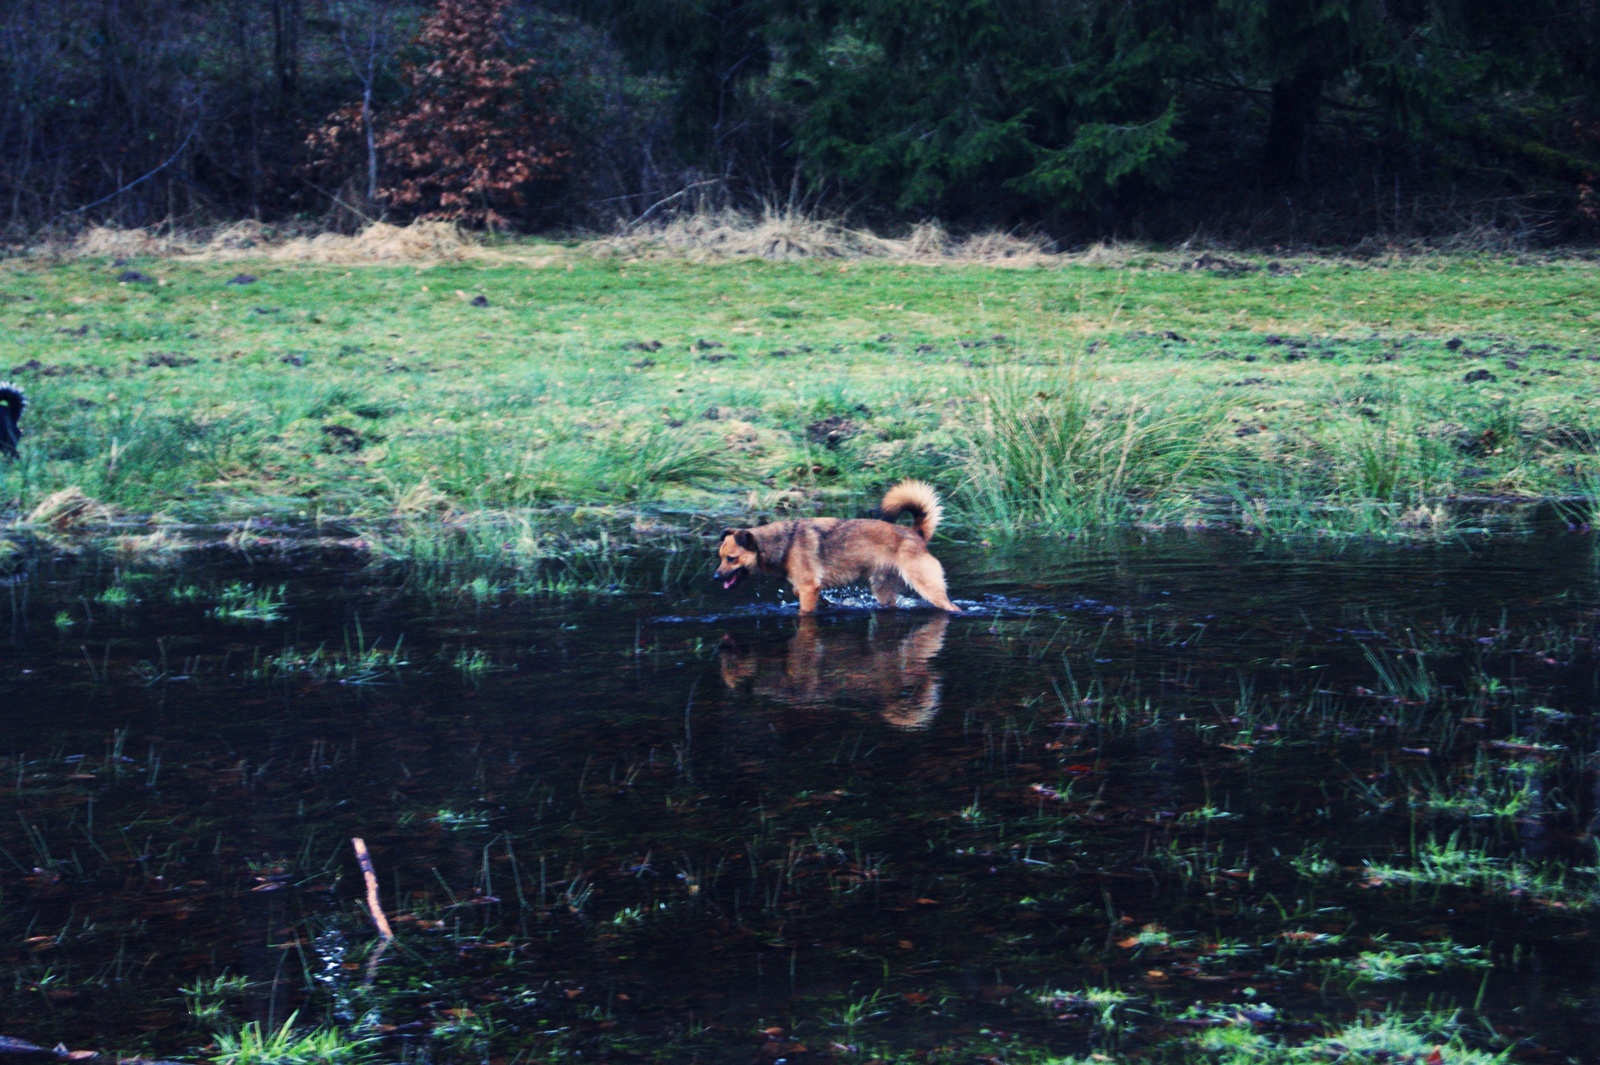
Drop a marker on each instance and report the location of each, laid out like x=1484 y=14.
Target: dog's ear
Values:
x=724 y=534
x=745 y=539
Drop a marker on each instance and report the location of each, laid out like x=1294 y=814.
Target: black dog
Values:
x=12 y=404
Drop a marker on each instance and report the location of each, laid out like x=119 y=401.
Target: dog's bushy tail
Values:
x=12 y=404
x=920 y=500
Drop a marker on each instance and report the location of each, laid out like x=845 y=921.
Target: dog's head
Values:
x=738 y=557
x=738 y=664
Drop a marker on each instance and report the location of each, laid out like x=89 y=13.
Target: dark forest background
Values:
x=1290 y=122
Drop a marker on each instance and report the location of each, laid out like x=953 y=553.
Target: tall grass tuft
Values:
x=1042 y=451
x=487 y=467
x=1387 y=459
x=286 y=1046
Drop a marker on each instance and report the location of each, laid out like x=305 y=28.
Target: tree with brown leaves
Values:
x=475 y=134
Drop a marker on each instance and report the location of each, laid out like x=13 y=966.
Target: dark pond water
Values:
x=1137 y=793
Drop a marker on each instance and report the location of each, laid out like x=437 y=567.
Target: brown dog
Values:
x=818 y=553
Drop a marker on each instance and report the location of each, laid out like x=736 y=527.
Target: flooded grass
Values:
x=1185 y=797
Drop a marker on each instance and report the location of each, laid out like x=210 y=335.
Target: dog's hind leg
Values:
x=886 y=587
x=926 y=578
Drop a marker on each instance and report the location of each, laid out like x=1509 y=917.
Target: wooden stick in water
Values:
x=372 y=888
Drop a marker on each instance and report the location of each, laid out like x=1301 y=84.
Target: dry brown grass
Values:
x=774 y=234
x=725 y=234
x=69 y=509
x=150 y=547
x=419 y=500
x=381 y=243
x=110 y=243
x=378 y=243
x=781 y=234
x=777 y=234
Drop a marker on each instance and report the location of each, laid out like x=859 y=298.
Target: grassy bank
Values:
x=1301 y=395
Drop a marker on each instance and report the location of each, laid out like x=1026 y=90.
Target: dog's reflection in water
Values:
x=886 y=666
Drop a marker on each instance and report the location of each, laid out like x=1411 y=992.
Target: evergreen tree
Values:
x=956 y=106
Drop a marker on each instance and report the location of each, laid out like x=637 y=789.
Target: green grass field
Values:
x=1307 y=395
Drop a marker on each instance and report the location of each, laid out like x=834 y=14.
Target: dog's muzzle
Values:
x=728 y=580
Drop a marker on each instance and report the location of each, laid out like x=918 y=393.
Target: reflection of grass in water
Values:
x=634 y=915
x=116 y=597
x=454 y=819
x=1487 y=789
x=1105 y=1004
x=472 y=665
x=1208 y=862
x=1402 y=676
x=1398 y=961
x=287 y=1046
x=1247 y=1035
x=1453 y=863
x=1151 y=937
x=356 y=664
x=858 y=1012
x=208 y=999
x=1254 y=1033
x=1394 y=1037
x=240 y=601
